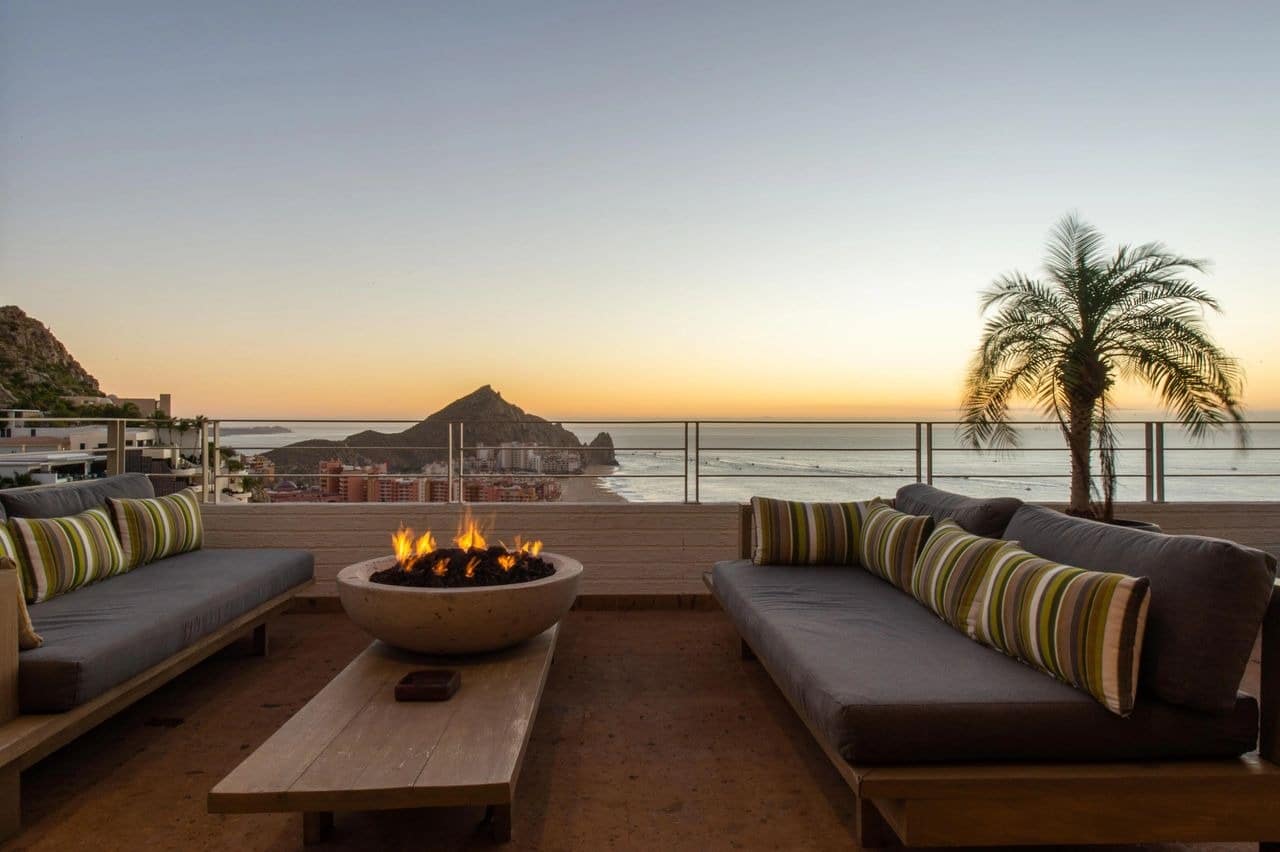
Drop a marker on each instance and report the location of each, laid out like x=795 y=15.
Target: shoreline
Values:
x=590 y=490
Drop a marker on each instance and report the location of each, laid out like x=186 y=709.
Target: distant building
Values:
x=147 y=407
x=261 y=467
x=437 y=490
x=26 y=444
x=13 y=420
x=49 y=468
x=402 y=490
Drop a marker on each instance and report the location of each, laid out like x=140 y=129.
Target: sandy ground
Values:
x=592 y=490
x=653 y=735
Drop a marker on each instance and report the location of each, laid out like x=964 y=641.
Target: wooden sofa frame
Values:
x=1073 y=803
x=25 y=739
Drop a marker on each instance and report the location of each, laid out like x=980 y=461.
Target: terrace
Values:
x=652 y=732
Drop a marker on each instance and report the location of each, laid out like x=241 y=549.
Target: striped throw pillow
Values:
x=787 y=532
x=891 y=542
x=61 y=554
x=1083 y=627
x=950 y=572
x=28 y=638
x=155 y=527
x=8 y=546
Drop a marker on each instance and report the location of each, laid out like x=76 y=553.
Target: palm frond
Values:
x=1074 y=246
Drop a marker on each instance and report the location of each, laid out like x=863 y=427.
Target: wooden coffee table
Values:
x=355 y=748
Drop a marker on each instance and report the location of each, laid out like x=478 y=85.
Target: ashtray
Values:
x=429 y=685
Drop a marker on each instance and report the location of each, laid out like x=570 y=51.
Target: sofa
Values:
x=109 y=643
x=948 y=742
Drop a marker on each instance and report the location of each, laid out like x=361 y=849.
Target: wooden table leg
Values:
x=499 y=819
x=260 y=641
x=316 y=827
x=873 y=832
x=10 y=802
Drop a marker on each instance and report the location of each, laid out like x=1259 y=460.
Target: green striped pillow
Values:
x=27 y=636
x=950 y=572
x=891 y=541
x=787 y=532
x=8 y=547
x=1083 y=627
x=155 y=527
x=61 y=554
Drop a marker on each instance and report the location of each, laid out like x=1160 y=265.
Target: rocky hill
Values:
x=36 y=370
x=487 y=418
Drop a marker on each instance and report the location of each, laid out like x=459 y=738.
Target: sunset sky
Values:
x=609 y=209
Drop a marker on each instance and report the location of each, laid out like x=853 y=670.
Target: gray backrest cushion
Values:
x=986 y=516
x=58 y=501
x=1208 y=597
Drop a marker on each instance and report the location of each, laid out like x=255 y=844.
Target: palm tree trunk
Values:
x=1080 y=441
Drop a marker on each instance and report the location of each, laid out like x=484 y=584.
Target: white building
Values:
x=49 y=468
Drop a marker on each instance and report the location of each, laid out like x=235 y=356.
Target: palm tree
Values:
x=1062 y=341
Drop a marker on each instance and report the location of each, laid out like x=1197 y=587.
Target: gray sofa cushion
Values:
x=987 y=516
x=1208 y=597
x=104 y=634
x=886 y=682
x=59 y=501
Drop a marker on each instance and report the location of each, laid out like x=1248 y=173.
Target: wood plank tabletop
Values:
x=354 y=747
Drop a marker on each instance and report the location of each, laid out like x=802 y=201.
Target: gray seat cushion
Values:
x=58 y=501
x=101 y=635
x=1208 y=598
x=887 y=682
x=987 y=516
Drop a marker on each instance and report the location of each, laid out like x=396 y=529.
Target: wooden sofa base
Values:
x=1050 y=804
x=26 y=739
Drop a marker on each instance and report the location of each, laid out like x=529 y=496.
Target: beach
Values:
x=589 y=489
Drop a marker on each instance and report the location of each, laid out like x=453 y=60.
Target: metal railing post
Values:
x=115 y=441
x=928 y=450
x=204 y=461
x=462 y=464
x=1159 y=461
x=1148 y=452
x=919 y=456
x=685 y=465
x=697 y=461
x=448 y=463
x=217 y=460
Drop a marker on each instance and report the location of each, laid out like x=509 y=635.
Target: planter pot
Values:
x=457 y=621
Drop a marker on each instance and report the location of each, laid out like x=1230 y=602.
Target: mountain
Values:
x=602 y=450
x=36 y=370
x=486 y=417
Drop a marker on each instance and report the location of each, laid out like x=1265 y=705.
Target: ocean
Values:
x=826 y=461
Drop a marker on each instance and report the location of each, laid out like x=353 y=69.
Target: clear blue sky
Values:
x=737 y=208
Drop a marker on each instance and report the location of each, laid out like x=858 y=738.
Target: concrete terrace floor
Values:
x=653 y=734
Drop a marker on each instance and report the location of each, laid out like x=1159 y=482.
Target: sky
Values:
x=686 y=209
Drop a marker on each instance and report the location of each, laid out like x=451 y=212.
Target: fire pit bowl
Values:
x=467 y=620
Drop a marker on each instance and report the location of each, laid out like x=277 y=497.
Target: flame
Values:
x=402 y=545
x=470 y=537
x=507 y=561
x=532 y=548
x=441 y=567
x=407 y=549
x=471 y=566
